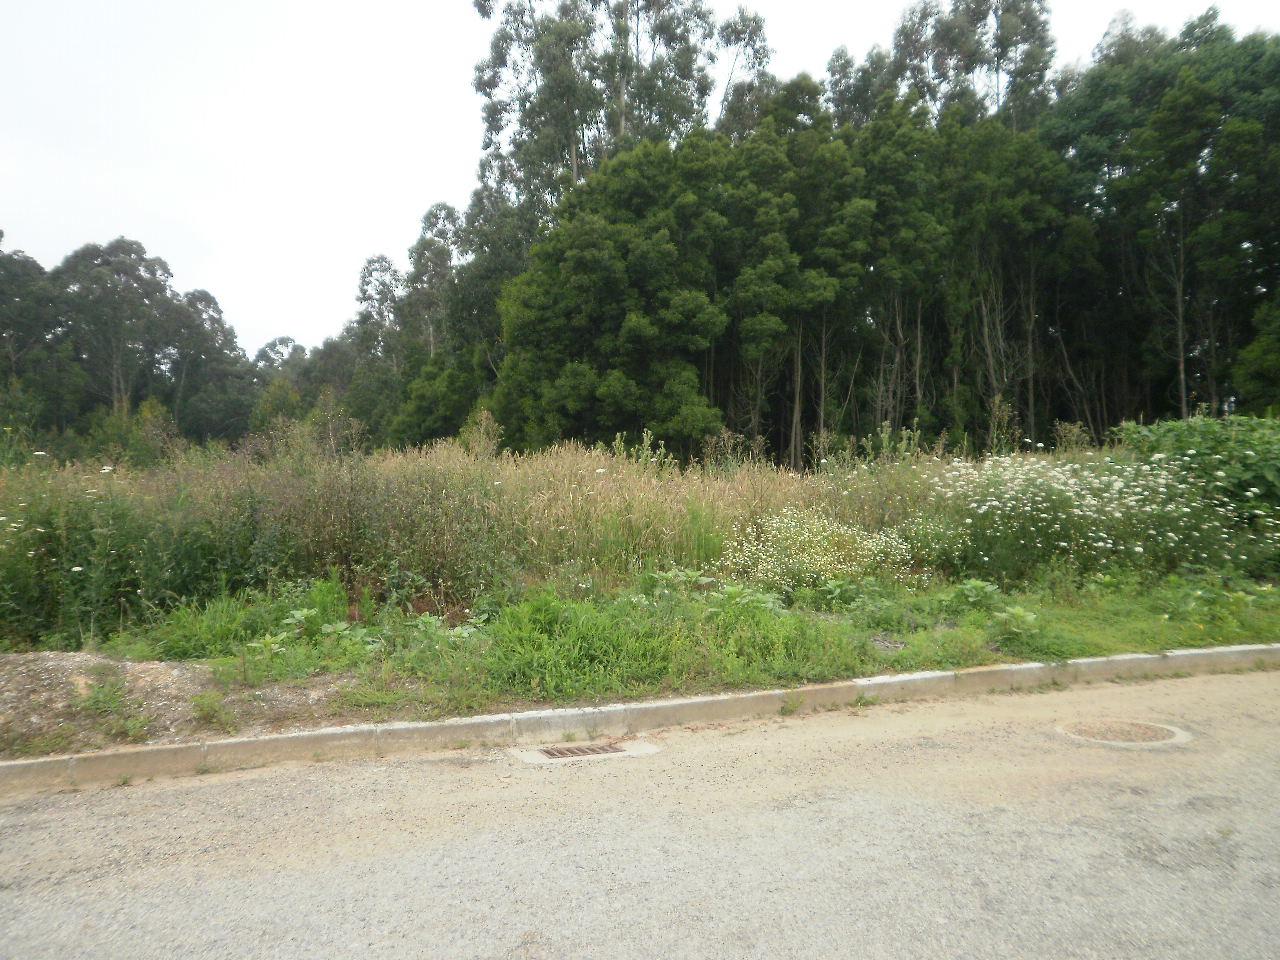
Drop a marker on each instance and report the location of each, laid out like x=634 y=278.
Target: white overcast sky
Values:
x=265 y=148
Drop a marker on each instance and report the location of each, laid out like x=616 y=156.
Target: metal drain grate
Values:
x=568 y=753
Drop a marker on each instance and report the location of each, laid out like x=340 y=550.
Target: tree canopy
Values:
x=944 y=233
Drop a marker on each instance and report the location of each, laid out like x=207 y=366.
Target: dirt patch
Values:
x=53 y=702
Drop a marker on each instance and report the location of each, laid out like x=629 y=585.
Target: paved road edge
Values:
x=549 y=726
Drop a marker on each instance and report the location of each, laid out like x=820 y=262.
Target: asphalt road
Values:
x=966 y=829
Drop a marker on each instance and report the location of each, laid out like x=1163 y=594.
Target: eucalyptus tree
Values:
x=120 y=307
x=982 y=56
x=568 y=83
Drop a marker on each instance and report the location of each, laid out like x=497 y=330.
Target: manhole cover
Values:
x=1125 y=733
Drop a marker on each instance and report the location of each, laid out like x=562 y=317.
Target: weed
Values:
x=160 y=560
x=116 y=715
x=59 y=740
x=976 y=594
x=211 y=710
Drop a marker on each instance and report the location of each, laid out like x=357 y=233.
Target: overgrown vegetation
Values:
x=930 y=284
x=455 y=576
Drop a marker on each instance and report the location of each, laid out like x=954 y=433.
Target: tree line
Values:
x=944 y=233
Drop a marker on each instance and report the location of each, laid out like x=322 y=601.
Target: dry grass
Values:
x=83 y=547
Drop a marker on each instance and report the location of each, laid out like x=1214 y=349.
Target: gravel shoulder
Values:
x=964 y=828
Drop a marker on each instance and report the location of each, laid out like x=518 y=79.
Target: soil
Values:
x=44 y=705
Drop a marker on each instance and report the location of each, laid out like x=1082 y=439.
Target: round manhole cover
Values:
x=1125 y=733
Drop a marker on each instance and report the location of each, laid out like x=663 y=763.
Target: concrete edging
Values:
x=619 y=719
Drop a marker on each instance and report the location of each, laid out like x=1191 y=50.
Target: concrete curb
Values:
x=620 y=719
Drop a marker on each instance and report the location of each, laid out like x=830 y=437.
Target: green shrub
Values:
x=1236 y=457
x=975 y=595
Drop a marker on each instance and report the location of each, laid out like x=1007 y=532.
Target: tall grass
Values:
x=85 y=548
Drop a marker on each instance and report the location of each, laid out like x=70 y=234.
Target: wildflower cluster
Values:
x=935 y=543
x=1022 y=512
x=796 y=548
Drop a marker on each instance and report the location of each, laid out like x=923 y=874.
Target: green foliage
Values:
x=114 y=712
x=1013 y=627
x=210 y=708
x=104 y=334
x=552 y=648
x=280 y=400
x=438 y=402
x=549 y=646
x=1023 y=514
x=831 y=595
x=143 y=438
x=88 y=554
x=976 y=594
x=1258 y=370
x=942 y=236
x=226 y=625
x=1236 y=457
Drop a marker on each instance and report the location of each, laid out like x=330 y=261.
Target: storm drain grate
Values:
x=568 y=753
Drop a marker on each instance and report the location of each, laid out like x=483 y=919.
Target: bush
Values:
x=1236 y=457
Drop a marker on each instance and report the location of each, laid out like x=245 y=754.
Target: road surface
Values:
x=966 y=829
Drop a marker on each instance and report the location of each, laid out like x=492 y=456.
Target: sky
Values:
x=265 y=148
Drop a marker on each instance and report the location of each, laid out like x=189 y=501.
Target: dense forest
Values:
x=947 y=234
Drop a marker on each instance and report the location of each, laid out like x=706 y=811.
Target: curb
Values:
x=619 y=719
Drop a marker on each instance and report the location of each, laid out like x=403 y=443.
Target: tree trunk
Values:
x=1180 y=335
x=822 y=383
x=919 y=364
x=1029 y=300
x=797 y=439
x=622 y=76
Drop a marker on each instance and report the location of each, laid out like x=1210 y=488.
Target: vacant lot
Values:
x=299 y=579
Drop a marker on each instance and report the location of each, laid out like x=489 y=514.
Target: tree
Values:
x=602 y=336
x=1258 y=373
x=569 y=84
x=121 y=308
